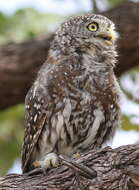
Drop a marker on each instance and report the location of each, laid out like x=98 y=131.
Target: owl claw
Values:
x=77 y=155
x=36 y=164
x=50 y=160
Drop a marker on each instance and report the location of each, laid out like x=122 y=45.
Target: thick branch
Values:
x=20 y=62
x=126 y=19
x=114 y=169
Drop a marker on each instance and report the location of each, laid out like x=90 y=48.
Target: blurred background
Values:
x=22 y=20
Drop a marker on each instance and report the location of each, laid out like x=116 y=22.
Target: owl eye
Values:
x=93 y=27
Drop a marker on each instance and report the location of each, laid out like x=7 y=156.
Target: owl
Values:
x=73 y=104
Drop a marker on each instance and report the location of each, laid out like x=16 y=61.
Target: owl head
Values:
x=88 y=30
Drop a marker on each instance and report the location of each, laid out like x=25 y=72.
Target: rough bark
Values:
x=126 y=18
x=19 y=63
x=111 y=169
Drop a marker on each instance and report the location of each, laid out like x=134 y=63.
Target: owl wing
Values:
x=35 y=119
x=40 y=105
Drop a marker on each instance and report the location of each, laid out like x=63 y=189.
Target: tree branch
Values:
x=19 y=63
x=111 y=169
x=94 y=6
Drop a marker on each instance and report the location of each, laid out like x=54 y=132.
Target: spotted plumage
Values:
x=74 y=103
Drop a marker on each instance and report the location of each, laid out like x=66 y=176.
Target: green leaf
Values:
x=128 y=125
x=11 y=136
x=114 y=3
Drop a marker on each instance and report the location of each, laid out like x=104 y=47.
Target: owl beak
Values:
x=108 y=37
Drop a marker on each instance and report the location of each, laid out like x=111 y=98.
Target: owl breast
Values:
x=85 y=116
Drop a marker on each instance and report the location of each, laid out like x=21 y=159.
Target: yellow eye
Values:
x=93 y=27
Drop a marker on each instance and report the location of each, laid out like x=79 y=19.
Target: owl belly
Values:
x=76 y=131
x=98 y=127
x=84 y=121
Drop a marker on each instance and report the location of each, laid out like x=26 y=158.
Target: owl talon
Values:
x=50 y=160
x=36 y=164
x=77 y=155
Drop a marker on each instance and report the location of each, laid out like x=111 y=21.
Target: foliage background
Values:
x=28 y=23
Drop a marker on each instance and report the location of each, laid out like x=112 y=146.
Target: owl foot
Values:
x=77 y=155
x=49 y=161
